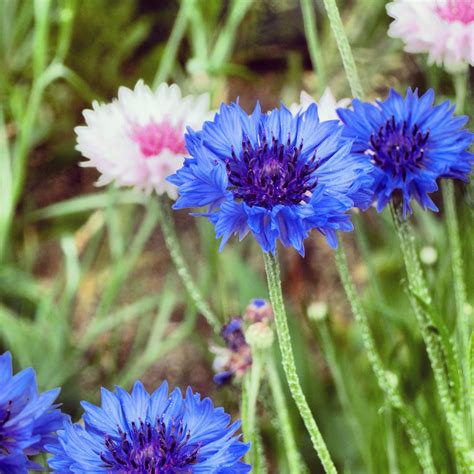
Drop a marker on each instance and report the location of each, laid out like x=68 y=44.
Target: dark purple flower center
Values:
x=148 y=449
x=5 y=415
x=271 y=173
x=398 y=149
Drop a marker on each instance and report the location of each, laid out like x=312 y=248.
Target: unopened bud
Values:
x=428 y=255
x=392 y=378
x=259 y=310
x=259 y=336
x=318 y=311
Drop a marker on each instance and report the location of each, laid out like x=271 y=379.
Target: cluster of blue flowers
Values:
x=137 y=433
x=279 y=175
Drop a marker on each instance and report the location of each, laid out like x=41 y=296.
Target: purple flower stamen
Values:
x=151 y=449
x=397 y=149
x=271 y=174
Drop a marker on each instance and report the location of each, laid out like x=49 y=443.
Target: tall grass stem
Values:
x=311 y=32
x=295 y=463
x=172 y=244
x=344 y=48
x=272 y=269
x=416 y=432
x=422 y=305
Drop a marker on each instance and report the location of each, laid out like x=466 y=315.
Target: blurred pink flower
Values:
x=327 y=105
x=442 y=28
x=138 y=139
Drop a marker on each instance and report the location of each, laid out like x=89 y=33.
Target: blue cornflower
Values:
x=160 y=433
x=411 y=144
x=275 y=175
x=28 y=419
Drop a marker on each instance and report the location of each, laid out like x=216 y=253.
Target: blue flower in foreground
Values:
x=150 y=434
x=411 y=144
x=275 y=175
x=28 y=419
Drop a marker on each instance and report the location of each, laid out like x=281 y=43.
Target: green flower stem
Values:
x=276 y=297
x=344 y=48
x=422 y=304
x=463 y=325
x=416 y=432
x=172 y=244
x=329 y=351
x=225 y=41
x=174 y=40
x=295 y=463
x=311 y=32
x=250 y=390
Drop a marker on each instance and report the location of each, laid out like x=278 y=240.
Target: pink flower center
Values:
x=457 y=10
x=153 y=138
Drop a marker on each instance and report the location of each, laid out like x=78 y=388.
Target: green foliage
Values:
x=89 y=295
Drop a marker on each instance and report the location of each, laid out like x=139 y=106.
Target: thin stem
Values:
x=329 y=351
x=416 y=432
x=295 y=463
x=41 y=36
x=344 y=48
x=391 y=451
x=250 y=389
x=174 y=40
x=274 y=285
x=124 y=265
x=463 y=325
x=223 y=46
x=172 y=243
x=311 y=32
x=460 y=86
x=422 y=305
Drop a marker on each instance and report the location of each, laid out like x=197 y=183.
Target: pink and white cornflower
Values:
x=327 y=105
x=442 y=28
x=138 y=139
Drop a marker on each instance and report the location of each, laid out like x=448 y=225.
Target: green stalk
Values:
x=174 y=40
x=226 y=38
x=329 y=351
x=295 y=463
x=40 y=36
x=66 y=18
x=6 y=184
x=250 y=390
x=272 y=269
x=172 y=244
x=416 y=432
x=344 y=48
x=463 y=325
x=124 y=265
x=422 y=305
x=311 y=32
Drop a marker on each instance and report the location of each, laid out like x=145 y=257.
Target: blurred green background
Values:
x=88 y=294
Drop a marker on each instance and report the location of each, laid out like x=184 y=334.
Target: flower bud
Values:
x=318 y=311
x=428 y=255
x=259 y=336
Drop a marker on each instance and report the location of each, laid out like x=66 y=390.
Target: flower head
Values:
x=259 y=310
x=234 y=359
x=327 y=105
x=141 y=433
x=138 y=139
x=442 y=28
x=28 y=419
x=411 y=144
x=275 y=175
